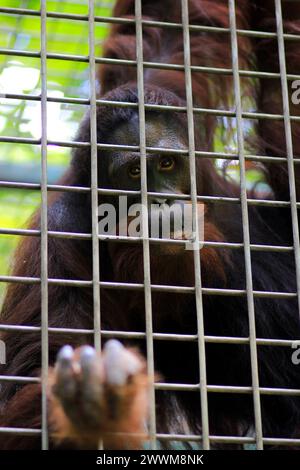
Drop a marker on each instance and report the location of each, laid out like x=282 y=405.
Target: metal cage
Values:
x=91 y=20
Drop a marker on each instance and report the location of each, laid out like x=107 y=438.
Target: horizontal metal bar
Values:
x=151 y=107
x=176 y=437
x=148 y=23
x=19 y=379
x=259 y=341
x=119 y=239
x=50 y=99
x=281 y=441
x=227 y=439
x=198 y=438
x=182 y=387
x=20 y=431
x=135 y=148
x=154 y=287
x=227 y=389
x=117 y=192
x=37 y=186
x=156 y=336
x=151 y=65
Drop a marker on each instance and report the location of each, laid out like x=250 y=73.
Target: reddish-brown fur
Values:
x=122 y=411
x=72 y=307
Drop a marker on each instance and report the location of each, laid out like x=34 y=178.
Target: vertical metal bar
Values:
x=44 y=226
x=246 y=232
x=145 y=227
x=94 y=178
x=197 y=263
x=94 y=183
x=289 y=144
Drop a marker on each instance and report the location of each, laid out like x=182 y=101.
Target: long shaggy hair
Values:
x=224 y=315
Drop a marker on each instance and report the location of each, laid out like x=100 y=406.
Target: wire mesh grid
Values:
x=41 y=52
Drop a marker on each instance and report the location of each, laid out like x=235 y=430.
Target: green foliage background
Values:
x=19 y=118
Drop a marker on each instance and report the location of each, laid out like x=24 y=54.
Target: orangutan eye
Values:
x=134 y=171
x=166 y=163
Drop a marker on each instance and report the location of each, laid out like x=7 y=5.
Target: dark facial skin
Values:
x=165 y=173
